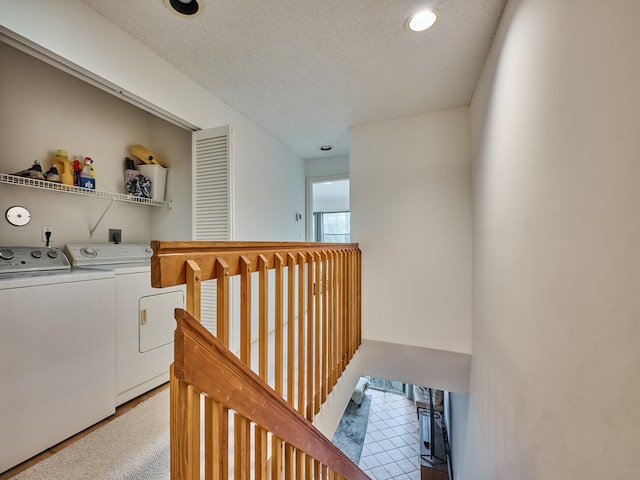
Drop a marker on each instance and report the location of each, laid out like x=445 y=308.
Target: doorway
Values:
x=328 y=210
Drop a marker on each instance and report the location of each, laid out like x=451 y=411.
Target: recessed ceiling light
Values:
x=422 y=20
x=326 y=148
x=185 y=8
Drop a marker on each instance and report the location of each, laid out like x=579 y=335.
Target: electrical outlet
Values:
x=115 y=235
x=45 y=229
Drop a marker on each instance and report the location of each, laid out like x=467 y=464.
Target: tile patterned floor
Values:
x=391 y=446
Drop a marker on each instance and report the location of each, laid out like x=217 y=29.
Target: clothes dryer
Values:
x=144 y=315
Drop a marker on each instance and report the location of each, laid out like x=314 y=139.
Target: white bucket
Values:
x=157 y=175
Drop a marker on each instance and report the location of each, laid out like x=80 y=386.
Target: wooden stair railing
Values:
x=266 y=436
x=203 y=362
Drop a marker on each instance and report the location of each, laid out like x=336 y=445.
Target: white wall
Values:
x=556 y=268
x=327 y=167
x=458 y=411
x=411 y=214
x=330 y=195
x=266 y=199
x=439 y=369
x=329 y=417
x=268 y=189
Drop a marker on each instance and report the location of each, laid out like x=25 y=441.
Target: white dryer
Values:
x=144 y=315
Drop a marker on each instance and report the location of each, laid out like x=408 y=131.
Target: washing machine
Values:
x=57 y=350
x=144 y=315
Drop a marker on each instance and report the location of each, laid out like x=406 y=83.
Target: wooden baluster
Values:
x=299 y=464
x=222 y=299
x=245 y=310
x=359 y=297
x=216 y=433
x=301 y=333
x=291 y=323
x=350 y=302
x=308 y=468
x=345 y=314
x=332 y=321
x=184 y=444
x=346 y=310
x=193 y=289
x=277 y=446
x=241 y=426
x=185 y=400
x=263 y=317
x=354 y=292
x=354 y=316
x=242 y=448
x=261 y=454
x=277 y=460
x=301 y=353
x=325 y=472
x=325 y=328
x=310 y=334
x=317 y=374
x=289 y=462
x=339 y=331
x=279 y=323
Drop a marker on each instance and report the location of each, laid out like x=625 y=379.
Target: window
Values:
x=334 y=227
x=386 y=385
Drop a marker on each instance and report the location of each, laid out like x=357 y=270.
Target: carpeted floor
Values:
x=349 y=436
x=125 y=449
x=120 y=450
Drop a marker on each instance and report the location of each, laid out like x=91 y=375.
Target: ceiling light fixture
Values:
x=185 y=8
x=422 y=20
x=326 y=148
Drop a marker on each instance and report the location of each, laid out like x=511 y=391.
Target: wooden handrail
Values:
x=316 y=333
x=203 y=361
x=168 y=260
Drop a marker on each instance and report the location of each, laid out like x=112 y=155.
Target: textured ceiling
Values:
x=308 y=70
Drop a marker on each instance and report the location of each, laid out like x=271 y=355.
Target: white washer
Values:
x=144 y=315
x=57 y=349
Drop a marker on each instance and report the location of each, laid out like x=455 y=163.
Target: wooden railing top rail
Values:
x=169 y=258
x=203 y=361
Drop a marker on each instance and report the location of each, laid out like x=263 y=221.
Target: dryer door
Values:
x=156 y=322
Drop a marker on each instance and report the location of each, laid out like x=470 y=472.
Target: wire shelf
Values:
x=59 y=187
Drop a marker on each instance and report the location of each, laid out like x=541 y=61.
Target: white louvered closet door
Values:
x=211 y=202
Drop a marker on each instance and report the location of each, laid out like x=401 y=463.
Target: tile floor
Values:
x=391 y=446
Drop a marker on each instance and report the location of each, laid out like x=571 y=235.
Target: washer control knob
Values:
x=52 y=254
x=88 y=252
x=6 y=253
x=36 y=253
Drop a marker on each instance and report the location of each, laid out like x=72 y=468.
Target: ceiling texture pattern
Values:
x=308 y=70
